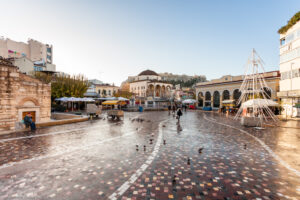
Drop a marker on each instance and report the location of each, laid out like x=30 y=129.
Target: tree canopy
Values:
x=188 y=83
x=290 y=23
x=65 y=85
x=123 y=93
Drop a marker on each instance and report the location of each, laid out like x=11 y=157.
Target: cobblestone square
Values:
x=148 y=156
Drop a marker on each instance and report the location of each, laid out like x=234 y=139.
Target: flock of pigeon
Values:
x=141 y=120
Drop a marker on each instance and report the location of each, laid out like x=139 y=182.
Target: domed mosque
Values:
x=149 y=89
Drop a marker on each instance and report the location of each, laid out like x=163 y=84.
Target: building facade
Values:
x=148 y=85
x=33 y=50
x=99 y=89
x=213 y=93
x=28 y=67
x=28 y=57
x=289 y=51
x=106 y=90
x=20 y=94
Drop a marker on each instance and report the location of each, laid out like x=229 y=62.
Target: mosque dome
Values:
x=148 y=73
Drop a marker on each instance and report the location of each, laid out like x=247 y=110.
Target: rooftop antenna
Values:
x=254 y=100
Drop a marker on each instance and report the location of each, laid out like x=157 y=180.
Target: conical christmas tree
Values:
x=254 y=100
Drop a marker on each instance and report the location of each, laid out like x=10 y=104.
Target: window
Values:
x=109 y=92
x=282 y=41
x=290 y=55
x=289 y=38
x=285 y=75
x=296 y=73
x=37 y=68
x=99 y=91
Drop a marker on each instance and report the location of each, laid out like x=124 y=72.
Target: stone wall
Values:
x=21 y=93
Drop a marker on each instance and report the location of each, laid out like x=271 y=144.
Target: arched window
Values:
x=267 y=92
x=207 y=99
x=236 y=94
x=216 y=99
x=200 y=99
x=226 y=95
x=207 y=96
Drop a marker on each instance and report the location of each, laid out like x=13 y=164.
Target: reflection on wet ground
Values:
x=94 y=159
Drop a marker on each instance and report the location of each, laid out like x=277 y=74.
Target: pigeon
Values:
x=163 y=125
x=200 y=150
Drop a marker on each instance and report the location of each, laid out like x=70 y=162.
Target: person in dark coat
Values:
x=28 y=122
x=179 y=114
x=169 y=108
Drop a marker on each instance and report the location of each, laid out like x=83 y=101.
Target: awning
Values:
x=115 y=102
x=122 y=99
x=91 y=94
x=74 y=99
x=259 y=103
x=107 y=98
x=188 y=101
x=228 y=101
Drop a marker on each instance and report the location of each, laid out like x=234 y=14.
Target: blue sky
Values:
x=111 y=40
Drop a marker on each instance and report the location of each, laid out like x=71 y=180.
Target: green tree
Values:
x=290 y=23
x=64 y=85
x=188 y=83
x=125 y=94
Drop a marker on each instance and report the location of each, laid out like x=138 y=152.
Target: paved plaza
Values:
x=208 y=156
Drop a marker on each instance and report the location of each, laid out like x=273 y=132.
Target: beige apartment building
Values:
x=33 y=50
x=289 y=51
x=217 y=91
x=106 y=90
x=28 y=57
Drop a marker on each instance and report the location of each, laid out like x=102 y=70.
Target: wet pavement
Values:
x=100 y=160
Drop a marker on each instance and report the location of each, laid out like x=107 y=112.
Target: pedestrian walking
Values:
x=173 y=110
x=179 y=114
x=169 y=108
x=28 y=122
